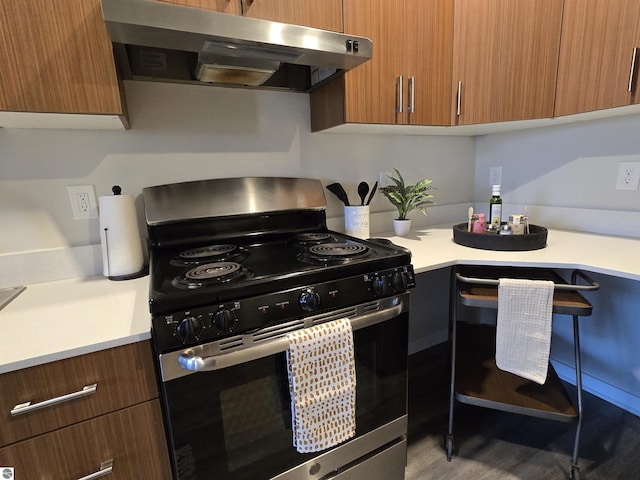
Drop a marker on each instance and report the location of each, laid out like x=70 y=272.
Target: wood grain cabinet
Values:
x=324 y=14
x=56 y=57
x=599 y=56
x=129 y=442
x=68 y=419
x=505 y=60
x=446 y=62
x=407 y=80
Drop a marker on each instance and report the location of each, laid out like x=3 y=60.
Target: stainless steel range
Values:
x=236 y=264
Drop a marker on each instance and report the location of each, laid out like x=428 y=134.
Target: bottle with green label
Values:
x=495 y=207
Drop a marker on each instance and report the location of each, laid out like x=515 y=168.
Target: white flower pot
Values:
x=402 y=227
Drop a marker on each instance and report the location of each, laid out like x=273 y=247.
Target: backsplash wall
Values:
x=566 y=174
x=182 y=133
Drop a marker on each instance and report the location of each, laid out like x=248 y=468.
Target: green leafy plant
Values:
x=407 y=198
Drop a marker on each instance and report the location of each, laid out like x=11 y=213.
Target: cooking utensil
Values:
x=339 y=192
x=363 y=189
x=373 y=190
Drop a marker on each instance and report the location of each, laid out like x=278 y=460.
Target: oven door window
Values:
x=235 y=423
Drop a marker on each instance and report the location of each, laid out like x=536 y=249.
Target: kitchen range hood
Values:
x=159 y=41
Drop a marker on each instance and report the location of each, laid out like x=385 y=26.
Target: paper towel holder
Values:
x=117 y=190
x=130 y=276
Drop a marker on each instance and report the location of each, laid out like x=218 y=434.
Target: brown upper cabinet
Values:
x=446 y=62
x=505 y=60
x=324 y=14
x=408 y=79
x=599 y=56
x=56 y=56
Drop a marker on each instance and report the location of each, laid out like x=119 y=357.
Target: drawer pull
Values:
x=633 y=69
x=399 y=88
x=27 y=407
x=105 y=469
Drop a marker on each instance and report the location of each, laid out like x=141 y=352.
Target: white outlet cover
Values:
x=495 y=176
x=383 y=180
x=628 y=176
x=78 y=214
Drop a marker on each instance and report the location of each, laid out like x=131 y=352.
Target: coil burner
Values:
x=334 y=253
x=312 y=238
x=210 y=254
x=212 y=273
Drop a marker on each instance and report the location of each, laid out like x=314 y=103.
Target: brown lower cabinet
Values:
x=132 y=439
x=68 y=419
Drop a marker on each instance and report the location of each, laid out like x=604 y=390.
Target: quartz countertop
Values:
x=433 y=247
x=56 y=320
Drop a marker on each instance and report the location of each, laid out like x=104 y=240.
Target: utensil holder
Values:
x=356 y=221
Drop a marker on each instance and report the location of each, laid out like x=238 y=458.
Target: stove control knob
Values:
x=309 y=300
x=380 y=285
x=223 y=320
x=399 y=281
x=189 y=328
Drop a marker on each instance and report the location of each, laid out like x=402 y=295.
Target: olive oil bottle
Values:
x=495 y=207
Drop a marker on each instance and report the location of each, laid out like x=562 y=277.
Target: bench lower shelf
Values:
x=478 y=380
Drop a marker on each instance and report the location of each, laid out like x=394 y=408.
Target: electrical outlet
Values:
x=83 y=202
x=628 y=176
x=495 y=176
x=384 y=180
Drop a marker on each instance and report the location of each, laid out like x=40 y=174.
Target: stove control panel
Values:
x=213 y=322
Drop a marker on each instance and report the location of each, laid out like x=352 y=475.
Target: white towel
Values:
x=523 y=332
x=322 y=383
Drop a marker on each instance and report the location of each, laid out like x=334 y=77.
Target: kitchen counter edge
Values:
x=66 y=318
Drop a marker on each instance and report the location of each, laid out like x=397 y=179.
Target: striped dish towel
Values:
x=322 y=383
x=523 y=330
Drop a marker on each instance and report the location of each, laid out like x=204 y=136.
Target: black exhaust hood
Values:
x=158 y=41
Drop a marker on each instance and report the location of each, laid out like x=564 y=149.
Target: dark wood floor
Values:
x=496 y=445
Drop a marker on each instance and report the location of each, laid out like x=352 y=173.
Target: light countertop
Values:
x=56 y=320
x=433 y=247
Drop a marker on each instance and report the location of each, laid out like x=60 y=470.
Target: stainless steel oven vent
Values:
x=174 y=36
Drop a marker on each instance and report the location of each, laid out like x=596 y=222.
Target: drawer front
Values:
x=123 y=376
x=132 y=439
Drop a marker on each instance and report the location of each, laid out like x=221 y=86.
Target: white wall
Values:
x=566 y=174
x=190 y=132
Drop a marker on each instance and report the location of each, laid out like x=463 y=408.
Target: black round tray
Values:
x=534 y=240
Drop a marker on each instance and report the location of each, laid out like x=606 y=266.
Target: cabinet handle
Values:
x=459 y=98
x=105 y=469
x=633 y=68
x=399 y=87
x=412 y=92
x=27 y=407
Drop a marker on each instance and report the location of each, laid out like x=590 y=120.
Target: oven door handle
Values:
x=190 y=360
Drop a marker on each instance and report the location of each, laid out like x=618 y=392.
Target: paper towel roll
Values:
x=119 y=236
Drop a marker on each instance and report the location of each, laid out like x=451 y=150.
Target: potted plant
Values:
x=407 y=198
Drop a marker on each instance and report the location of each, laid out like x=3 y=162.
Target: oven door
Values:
x=229 y=416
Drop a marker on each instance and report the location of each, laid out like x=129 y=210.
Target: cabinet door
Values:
x=56 y=56
x=224 y=6
x=324 y=14
x=132 y=438
x=428 y=50
x=505 y=59
x=372 y=89
x=124 y=376
x=596 y=54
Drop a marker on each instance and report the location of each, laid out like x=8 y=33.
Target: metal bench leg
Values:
x=452 y=339
x=575 y=470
